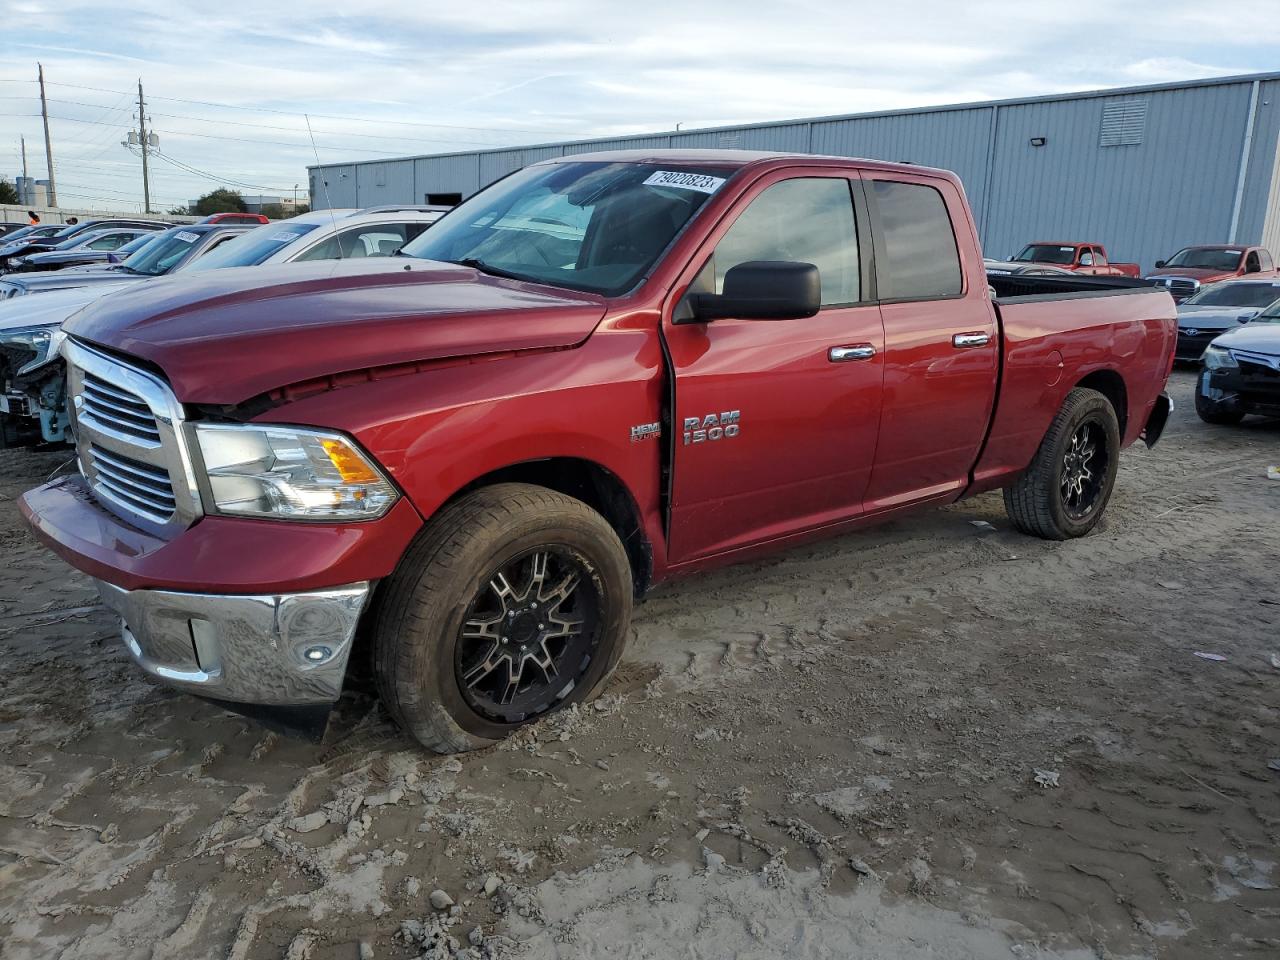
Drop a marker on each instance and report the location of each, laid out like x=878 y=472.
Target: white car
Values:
x=325 y=235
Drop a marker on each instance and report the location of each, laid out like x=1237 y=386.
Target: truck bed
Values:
x=1058 y=332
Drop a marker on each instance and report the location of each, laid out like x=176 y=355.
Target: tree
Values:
x=300 y=209
x=221 y=200
x=8 y=192
x=179 y=212
x=272 y=211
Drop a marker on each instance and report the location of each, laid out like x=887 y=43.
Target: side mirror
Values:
x=1160 y=264
x=760 y=290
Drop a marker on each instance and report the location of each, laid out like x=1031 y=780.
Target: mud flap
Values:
x=308 y=721
x=1157 y=421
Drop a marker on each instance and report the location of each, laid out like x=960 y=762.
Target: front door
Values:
x=776 y=421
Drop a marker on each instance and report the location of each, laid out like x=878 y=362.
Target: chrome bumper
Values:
x=270 y=650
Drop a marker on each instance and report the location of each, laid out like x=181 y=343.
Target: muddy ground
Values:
x=928 y=740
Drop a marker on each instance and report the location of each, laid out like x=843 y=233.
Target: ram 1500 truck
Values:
x=1191 y=268
x=1089 y=259
x=598 y=373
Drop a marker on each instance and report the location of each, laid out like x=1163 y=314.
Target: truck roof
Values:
x=743 y=158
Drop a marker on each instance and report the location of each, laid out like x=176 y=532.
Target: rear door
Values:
x=776 y=421
x=942 y=346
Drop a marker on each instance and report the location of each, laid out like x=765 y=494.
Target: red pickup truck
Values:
x=1190 y=268
x=598 y=373
x=1086 y=258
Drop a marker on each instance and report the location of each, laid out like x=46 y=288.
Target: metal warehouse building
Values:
x=1142 y=170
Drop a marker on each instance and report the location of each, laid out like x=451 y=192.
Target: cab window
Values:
x=806 y=220
x=922 y=261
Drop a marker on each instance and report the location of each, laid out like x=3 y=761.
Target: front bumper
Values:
x=1191 y=347
x=1252 y=388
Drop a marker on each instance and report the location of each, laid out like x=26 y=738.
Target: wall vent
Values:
x=730 y=140
x=1123 y=122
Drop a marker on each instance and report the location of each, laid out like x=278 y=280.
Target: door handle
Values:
x=863 y=351
x=971 y=339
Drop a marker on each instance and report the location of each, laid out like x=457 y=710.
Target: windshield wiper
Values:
x=475 y=263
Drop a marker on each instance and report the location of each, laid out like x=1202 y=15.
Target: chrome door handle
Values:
x=864 y=351
x=971 y=339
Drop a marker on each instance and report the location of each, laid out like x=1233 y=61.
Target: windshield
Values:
x=250 y=249
x=78 y=240
x=1235 y=295
x=1269 y=315
x=163 y=255
x=134 y=245
x=596 y=226
x=1201 y=258
x=1047 y=253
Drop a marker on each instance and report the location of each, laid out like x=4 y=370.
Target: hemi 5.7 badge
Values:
x=713 y=426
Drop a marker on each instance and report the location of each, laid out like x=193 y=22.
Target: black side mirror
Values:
x=1160 y=264
x=760 y=290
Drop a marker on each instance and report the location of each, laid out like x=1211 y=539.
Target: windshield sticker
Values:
x=685 y=181
x=186 y=236
x=1232 y=253
x=1066 y=249
x=283 y=237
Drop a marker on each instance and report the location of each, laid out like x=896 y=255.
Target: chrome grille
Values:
x=131 y=442
x=143 y=487
x=117 y=409
x=1183 y=288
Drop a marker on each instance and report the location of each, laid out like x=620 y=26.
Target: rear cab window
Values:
x=917 y=257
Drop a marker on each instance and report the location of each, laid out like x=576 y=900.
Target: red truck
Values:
x=1190 y=268
x=598 y=373
x=1086 y=258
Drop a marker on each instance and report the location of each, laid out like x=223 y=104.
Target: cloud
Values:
x=513 y=72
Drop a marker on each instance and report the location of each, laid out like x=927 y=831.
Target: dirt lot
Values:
x=929 y=740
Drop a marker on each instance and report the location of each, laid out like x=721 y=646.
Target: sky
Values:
x=228 y=83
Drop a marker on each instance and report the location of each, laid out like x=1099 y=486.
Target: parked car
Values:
x=481 y=451
x=171 y=250
x=247 y=218
x=1008 y=268
x=1087 y=258
x=34 y=231
x=101 y=259
x=9 y=229
x=78 y=250
x=36 y=392
x=31 y=243
x=1218 y=308
x=1191 y=267
x=1242 y=372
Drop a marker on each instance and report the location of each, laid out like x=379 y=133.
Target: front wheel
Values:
x=1065 y=490
x=513 y=602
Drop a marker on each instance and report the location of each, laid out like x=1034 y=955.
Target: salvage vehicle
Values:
x=33 y=400
x=1218 y=308
x=171 y=250
x=234 y=217
x=78 y=250
x=101 y=259
x=1086 y=258
x=1191 y=267
x=599 y=372
x=33 y=243
x=1242 y=372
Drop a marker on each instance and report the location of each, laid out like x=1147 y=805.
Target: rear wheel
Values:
x=513 y=602
x=1065 y=491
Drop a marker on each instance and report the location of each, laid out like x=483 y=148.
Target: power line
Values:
x=325 y=116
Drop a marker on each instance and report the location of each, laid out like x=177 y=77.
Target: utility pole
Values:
x=142 y=136
x=24 y=157
x=48 y=145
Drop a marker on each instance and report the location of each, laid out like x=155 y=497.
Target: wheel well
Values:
x=597 y=488
x=1111 y=385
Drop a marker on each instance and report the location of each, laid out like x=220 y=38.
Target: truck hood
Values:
x=48 y=309
x=224 y=336
x=1256 y=337
x=1215 y=318
x=1202 y=274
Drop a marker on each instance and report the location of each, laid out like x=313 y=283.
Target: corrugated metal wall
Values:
x=1143 y=200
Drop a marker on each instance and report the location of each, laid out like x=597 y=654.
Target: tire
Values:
x=1210 y=412
x=1046 y=501
x=445 y=637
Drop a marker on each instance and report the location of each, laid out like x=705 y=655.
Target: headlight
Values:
x=1215 y=358
x=42 y=341
x=290 y=473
